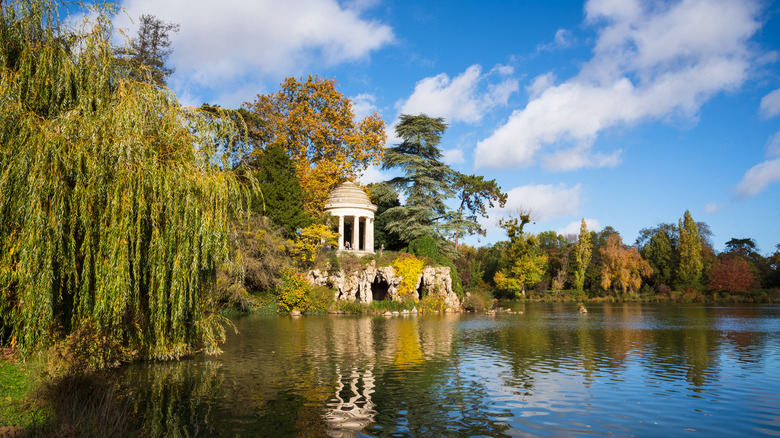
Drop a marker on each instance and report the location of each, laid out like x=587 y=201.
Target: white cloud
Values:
x=540 y=84
x=373 y=174
x=462 y=98
x=453 y=156
x=773 y=147
x=770 y=104
x=649 y=63
x=758 y=177
x=218 y=44
x=363 y=105
x=574 y=227
x=545 y=201
x=713 y=207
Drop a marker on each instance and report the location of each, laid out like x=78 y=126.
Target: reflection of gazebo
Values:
x=355 y=211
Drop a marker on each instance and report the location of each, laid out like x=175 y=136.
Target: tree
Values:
x=280 y=198
x=316 y=125
x=525 y=259
x=476 y=195
x=582 y=254
x=116 y=207
x=147 y=53
x=690 y=266
x=426 y=181
x=622 y=267
x=384 y=196
x=733 y=273
x=659 y=247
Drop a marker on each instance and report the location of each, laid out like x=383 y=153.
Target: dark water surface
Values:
x=620 y=369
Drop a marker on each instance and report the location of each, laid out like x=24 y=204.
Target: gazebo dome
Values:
x=350 y=204
x=348 y=194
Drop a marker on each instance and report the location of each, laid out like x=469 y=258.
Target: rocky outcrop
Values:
x=381 y=283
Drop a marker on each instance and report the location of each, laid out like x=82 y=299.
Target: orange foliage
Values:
x=315 y=124
x=622 y=267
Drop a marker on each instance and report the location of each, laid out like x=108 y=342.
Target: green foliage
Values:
x=476 y=196
x=525 y=260
x=690 y=266
x=408 y=267
x=116 y=201
x=294 y=293
x=582 y=254
x=281 y=198
x=311 y=240
x=424 y=246
x=426 y=181
x=477 y=300
x=384 y=196
x=659 y=247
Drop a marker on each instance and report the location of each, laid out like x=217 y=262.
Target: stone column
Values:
x=355 y=232
x=370 y=235
x=341 y=233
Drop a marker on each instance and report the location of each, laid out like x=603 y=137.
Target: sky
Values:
x=626 y=113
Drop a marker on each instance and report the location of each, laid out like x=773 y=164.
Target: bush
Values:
x=477 y=300
x=293 y=293
x=432 y=303
x=409 y=268
x=425 y=247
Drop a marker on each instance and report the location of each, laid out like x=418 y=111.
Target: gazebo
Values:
x=351 y=205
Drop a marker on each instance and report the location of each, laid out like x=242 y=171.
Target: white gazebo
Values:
x=351 y=205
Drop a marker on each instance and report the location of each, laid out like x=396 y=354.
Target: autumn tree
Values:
x=622 y=267
x=316 y=125
x=732 y=273
x=525 y=259
x=689 y=267
x=476 y=195
x=426 y=181
x=147 y=53
x=582 y=254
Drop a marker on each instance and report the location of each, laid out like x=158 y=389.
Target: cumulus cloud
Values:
x=650 y=62
x=373 y=174
x=219 y=44
x=545 y=201
x=773 y=147
x=363 y=105
x=574 y=227
x=770 y=104
x=758 y=178
x=464 y=98
x=453 y=156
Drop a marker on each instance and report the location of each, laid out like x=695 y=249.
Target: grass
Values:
x=19 y=382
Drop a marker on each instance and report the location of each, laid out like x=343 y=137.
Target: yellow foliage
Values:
x=312 y=239
x=409 y=268
x=315 y=124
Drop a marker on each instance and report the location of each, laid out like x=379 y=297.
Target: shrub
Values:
x=432 y=303
x=425 y=247
x=409 y=268
x=477 y=300
x=293 y=293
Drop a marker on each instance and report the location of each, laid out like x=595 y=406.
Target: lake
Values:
x=620 y=369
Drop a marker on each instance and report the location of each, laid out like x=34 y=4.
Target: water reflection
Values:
x=624 y=369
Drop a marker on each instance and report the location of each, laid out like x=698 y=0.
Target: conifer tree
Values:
x=146 y=56
x=427 y=182
x=582 y=253
x=281 y=198
x=690 y=266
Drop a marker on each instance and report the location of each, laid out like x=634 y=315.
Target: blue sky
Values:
x=624 y=112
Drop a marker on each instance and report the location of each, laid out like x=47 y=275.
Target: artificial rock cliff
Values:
x=381 y=283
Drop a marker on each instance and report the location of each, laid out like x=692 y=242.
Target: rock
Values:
x=388 y=313
x=357 y=285
x=581 y=308
x=295 y=313
x=414 y=311
x=396 y=313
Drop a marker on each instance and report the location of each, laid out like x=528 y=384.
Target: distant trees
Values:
x=622 y=268
x=316 y=126
x=147 y=53
x=525 y=259
x=690 y=265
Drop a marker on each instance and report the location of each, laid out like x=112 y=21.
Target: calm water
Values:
x=625 y=370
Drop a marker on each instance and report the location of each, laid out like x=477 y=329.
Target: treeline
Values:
x=668 y=262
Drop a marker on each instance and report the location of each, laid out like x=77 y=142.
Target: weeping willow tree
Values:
x=115 y=202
